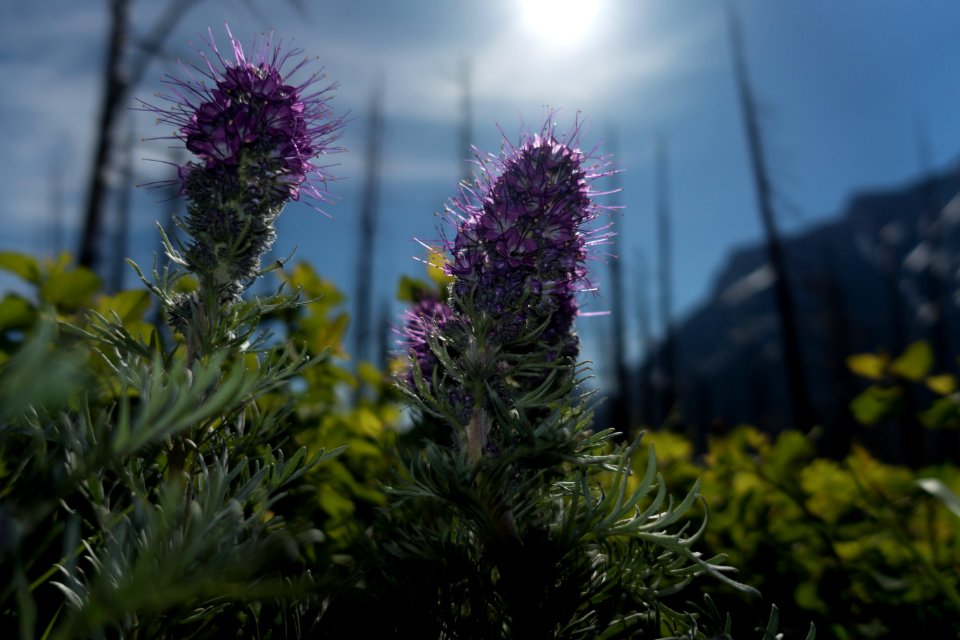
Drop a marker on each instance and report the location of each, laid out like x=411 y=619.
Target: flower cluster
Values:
x=424 y=319
x=255 y=134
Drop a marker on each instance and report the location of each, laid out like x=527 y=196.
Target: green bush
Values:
x=149 y=493
x=864 y=549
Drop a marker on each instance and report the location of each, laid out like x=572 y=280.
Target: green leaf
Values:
x=129 y=305
x=874 y=404
x=789 y=452
x=20 y=264
x=808 y=599
x=915 y=363
x=868 y=365
x=304 y=277
x=39 y=359
x=16 y=312
x=943 y=413
x=942 y=492
x=70 y=289
x=186 y=284
x=412 y=289
x=770 y=633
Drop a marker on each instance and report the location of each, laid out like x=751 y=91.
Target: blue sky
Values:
x=844 y=87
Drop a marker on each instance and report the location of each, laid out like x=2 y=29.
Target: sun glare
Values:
x=560 y=23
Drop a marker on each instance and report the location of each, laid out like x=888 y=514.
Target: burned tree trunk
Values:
x=367 y=236
x=114 y=89
x=667 y=362
x=620 y=418
x=799 y=395
x=116 y=86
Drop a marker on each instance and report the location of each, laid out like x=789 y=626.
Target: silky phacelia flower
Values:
x=424 y=319
x=256 y=133
x=521 y=245
x=423 y=323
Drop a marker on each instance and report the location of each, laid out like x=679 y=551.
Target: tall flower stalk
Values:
x=530 y=524
x=148 y=504
x=518 y=261
x=256 y=133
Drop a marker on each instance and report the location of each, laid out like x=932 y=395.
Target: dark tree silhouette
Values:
x=56 y=206
x=646 y=412
x=121 y=240
x=936 y=275
x=367 y=236
x=799 y=395
x=836 y=325
x=667 y=362
x=620 y=414
x=465 y=134
x=384 y=334
x=121 y=74
x=114 y=91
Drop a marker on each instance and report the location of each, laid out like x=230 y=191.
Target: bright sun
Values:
x=559 y=22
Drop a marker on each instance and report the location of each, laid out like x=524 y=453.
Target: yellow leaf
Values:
x=670 y=447
x=368 y=423
x=868 y=365
x=330 y=336
x=314 y=287
x=370 y=375
x=830 y=489
x=915 y=362
x=745 y=482
x=943 y=384
x=335 y=504
x=436 y=264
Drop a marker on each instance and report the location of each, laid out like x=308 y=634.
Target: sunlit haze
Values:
x=560 y=23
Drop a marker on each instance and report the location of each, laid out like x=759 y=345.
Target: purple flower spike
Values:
x=256 y=133
x=521 y=245
x=249 y=115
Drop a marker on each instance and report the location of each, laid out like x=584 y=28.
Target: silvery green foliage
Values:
x=140 y=488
